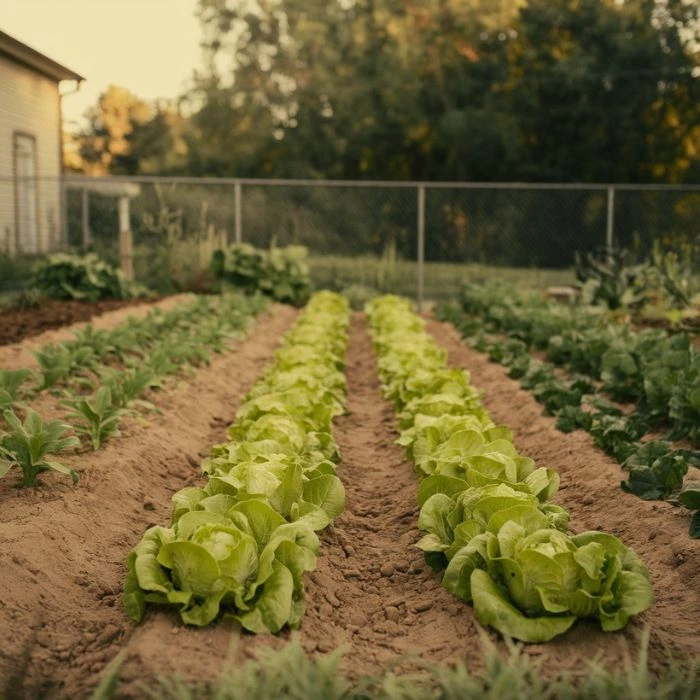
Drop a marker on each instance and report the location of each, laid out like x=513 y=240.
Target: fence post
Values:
x=86 y=218
x=609 y=228
x=237 y=204
x=421 y=246
x=126 y=246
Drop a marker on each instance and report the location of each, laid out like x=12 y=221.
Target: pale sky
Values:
x=150 y=47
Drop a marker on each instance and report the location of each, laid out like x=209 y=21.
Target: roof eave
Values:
x=27 y=56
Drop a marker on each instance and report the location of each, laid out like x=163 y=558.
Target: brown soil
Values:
x=63 y=548
x=19 y=323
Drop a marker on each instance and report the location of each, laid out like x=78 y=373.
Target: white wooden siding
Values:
x=29 y=103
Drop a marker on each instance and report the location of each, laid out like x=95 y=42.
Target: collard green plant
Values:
x=27 y=446
x=97 y=416
x=279 y=273
x=656 y=470
x=85 y=278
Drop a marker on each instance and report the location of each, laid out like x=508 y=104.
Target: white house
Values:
x=31 y=205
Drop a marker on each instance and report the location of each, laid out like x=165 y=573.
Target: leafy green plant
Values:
x=27 y=445
x=610 y=277
x=58 y=362
x=99 y=342
x=279 y=273
x=690 y=498
x=11 y=382
x=656 y=470
x=97 y=416
x=126 y=386
x=86 y=278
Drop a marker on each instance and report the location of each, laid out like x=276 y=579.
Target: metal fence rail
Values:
x=412 y=237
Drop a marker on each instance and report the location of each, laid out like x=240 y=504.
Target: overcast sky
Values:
x=148 y=46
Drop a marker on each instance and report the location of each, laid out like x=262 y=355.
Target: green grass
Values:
x=442 y=280
x=293 y=675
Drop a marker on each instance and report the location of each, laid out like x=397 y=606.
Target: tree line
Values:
x=482 y=90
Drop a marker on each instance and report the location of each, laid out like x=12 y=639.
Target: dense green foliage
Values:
x=486 y=509
x=82 y=277
x=658 y=372
x=279 y=273
x=240 y=545
x=616 y=279
x=563 y=90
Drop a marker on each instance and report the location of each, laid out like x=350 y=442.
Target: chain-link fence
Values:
x=418 y=239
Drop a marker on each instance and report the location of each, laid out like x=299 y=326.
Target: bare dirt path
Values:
x=63 y=548
x=590 y=489
x=19 y=355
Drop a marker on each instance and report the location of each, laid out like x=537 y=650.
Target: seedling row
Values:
x=101 y=376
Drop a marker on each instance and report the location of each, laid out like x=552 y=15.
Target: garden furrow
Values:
x=372 y=591
x=590 y=490
x=64 y=548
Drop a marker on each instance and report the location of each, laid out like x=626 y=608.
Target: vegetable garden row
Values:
x=100 y=376
x=636 y=392
x=269 y=507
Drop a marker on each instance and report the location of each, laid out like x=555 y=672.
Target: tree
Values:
x=127 y=135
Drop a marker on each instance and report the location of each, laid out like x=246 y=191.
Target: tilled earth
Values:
x=63 y=548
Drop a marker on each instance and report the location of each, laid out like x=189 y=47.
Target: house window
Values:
x=26 y=195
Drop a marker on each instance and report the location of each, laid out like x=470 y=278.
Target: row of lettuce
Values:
x=239 y=546
x=592 y=364
x=100 y=376
x=486 y=510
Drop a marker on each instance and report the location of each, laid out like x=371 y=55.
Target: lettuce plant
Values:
x=532 y=583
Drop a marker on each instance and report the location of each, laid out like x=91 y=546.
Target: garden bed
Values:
x=64 y=547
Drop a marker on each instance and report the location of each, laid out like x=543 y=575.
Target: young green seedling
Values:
x=27 y=445
x=10 y=383
x=97 y=416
